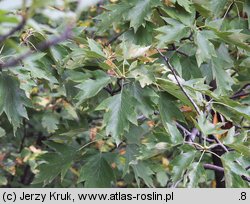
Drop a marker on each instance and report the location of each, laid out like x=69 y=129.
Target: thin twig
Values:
x=114 y=38
x=220 y=169
x=142 y=118
x=13 y=30
x=188 y=38
x=108 y=90
x=239 y=95
x=180 y=85
x=246 y=178
x=225 y=148
x=176 y=50
x=228 y=10
x=196 y=145
x=41 y=47
x=176 y=184
x=183 y=128
x=194 y=133
x=160 y=14
x=220 y=143
x=207 y=139
x=87 y=144
x=241 y=92
x=213 y=167
x=112 y=91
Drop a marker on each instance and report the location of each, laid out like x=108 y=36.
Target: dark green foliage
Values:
x=127 y=93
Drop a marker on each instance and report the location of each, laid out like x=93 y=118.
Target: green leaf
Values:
x=141 y=11
x=233 y=37
x=144 y=75
x=230 y=105
x=223 y=79
x=174 y=90
x=205 y=49
x=39 y=67
x=146 y=98
x=171 y=33
x=247 y=10
x=135 y=134
x=120 y=111
x=180 y=14
x=242 y=148
x=180 y=164
x=50 y=122
x=130 y=156
x=195 y=175
x=12 y=100
x=185 y=4
x=132 y=51
x=233 y=170
x=55 y=163
x=203 y=7
x=95 y=47
x=115 y=14
x=7 y=19
x=189 y=68
x=169 y=114
x=91 y=87
x=3 y=180
x=96 y=172
x=207 y=127
x=2 y=132
x=218 y=7
x=162 y=178
x=58 y=52
x=143 y=36
x=143 y=171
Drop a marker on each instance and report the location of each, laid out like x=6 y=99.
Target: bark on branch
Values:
x=67 y=34
x=220 y=169
x=166 y=60
x=13 y=30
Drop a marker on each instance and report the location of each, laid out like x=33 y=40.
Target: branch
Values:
x=120 y=85
x=13 y=30
x=193 y=135
x=180 y=85
x=220 y=143
x=195 y=132
x=177 y=50
x=228 y=10
x=188 y=38
x=141 y=118
x=220 y=169
x=185 y=131
x=41 y=47
x=246 y=178
x=112 y=91
x=241 y=92
x=109 y=90
x=114 y=38
x=213 y=167
x=239 y=95
x=161 y=15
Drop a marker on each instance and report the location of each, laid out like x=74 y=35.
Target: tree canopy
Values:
x=125 y=93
